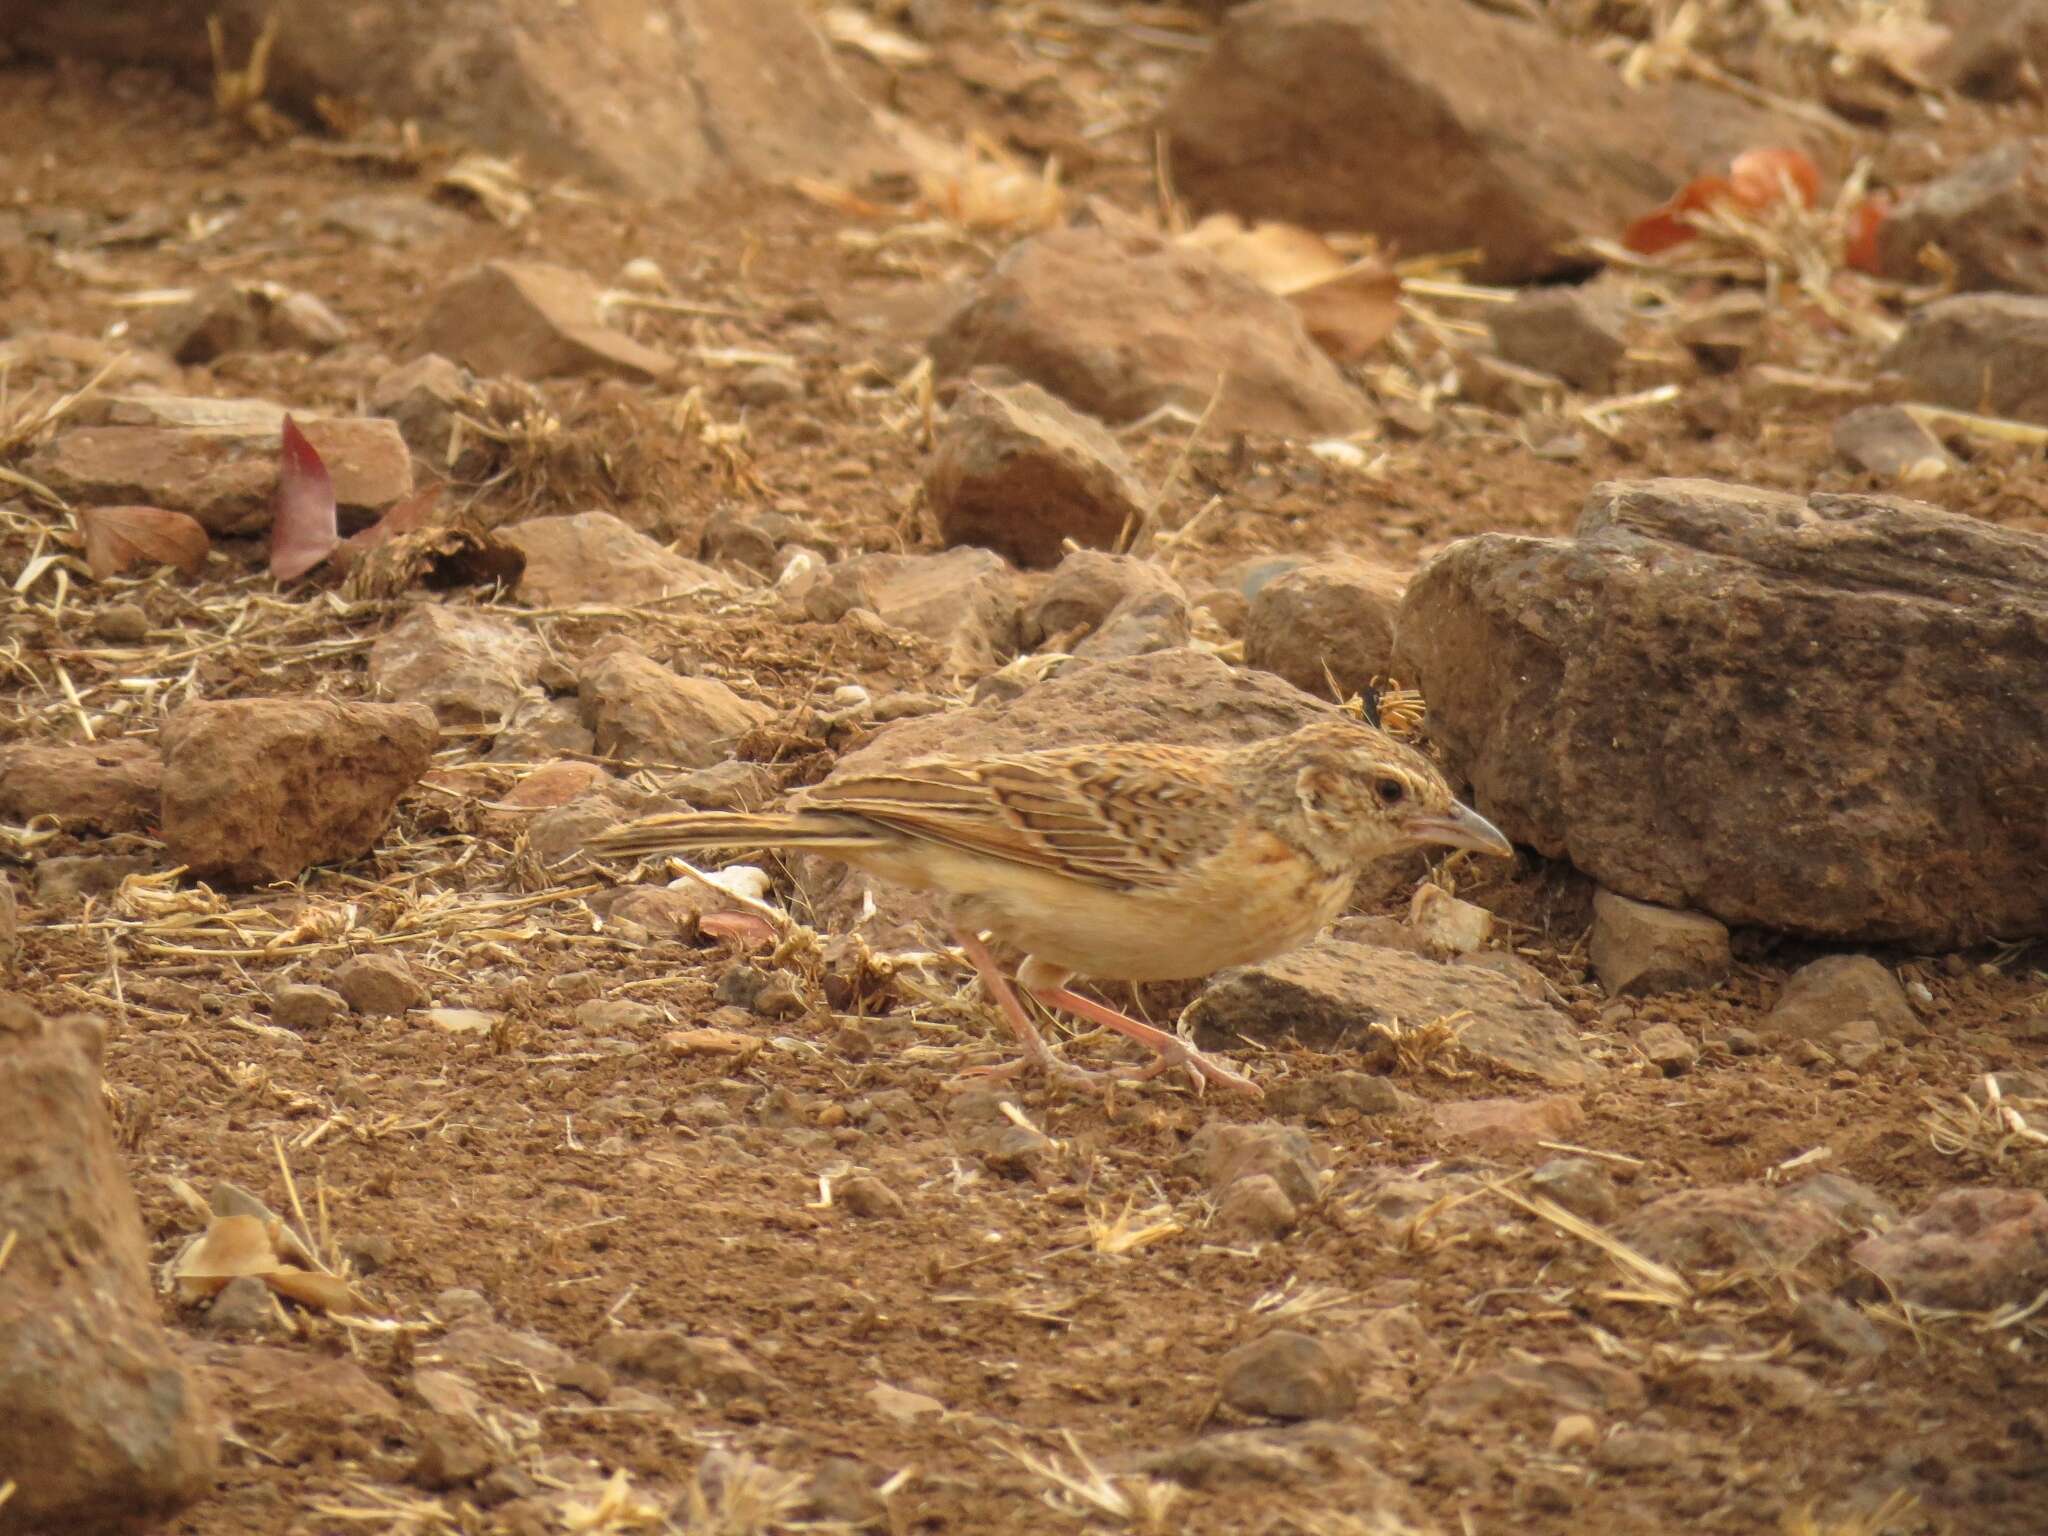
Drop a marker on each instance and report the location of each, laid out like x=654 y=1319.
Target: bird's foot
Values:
x=1201 y=1070
x=1061 y=1074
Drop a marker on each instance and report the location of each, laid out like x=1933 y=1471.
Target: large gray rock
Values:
x=1825 y=716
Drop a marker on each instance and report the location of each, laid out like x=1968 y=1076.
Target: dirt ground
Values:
x=584 y=1181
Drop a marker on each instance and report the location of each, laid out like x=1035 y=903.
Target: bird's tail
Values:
x=694 y=831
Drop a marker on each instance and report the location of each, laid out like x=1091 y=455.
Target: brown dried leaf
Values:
x=117 y=537
x=231 y=1247
x=328 y=1293
x=1347 y=306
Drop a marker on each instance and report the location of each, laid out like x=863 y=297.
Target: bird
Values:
x=1131 y=862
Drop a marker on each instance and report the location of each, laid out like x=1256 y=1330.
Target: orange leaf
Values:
x=302 y=524
x=117 y=537
x=1866 y=223
x=1760 y=176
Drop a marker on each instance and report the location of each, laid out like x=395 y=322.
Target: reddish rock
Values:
x=382 y=985
x=532 y=320
x=1328 y=621
x=467 y=667
x=261 y=789
x=1496 y=132
x=425 y=397
x=1287 y=1375
x=221 y=476
x=1741 y=1226
x=89 y=786
x=1827 y=994
x=1087 y=588
x=1978 y=352
x=1506 y=1123
x=105 y=1430
x=1019 y=472
x=641 y=711
x=1121 y=324
x=1971 y=1249
x=1225 y=1153
x=592 y=557
x=1821 y=715
x=1989 y=216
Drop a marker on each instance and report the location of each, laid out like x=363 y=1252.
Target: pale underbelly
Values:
x=1134 y=935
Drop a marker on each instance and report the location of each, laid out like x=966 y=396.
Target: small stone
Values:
x=1984 y=352
x=1224 y=1153
x=221 y=318
x=378 y=985
x=1838 y=1328
x=1507 y=387
x=1972 y=1249
x=397 y=219
x=1573 y=1433
x=604 y=1016
x=1510 y=1122
x=451 y=1455
x=865 y=1195
x=306 y=1009
x=1836 y=990
x=1447 y=925
x=965 y=600
x=1326 y=1094
x=539 y=730
x=781 y=997
x=242 y=1306
x=533 y=320
x=122 y=623
x=1637 y=948
x=467 y=667
x=302 y=322
x=640 y=711
x=1257 y=1208
x=1578 y=335
x=768 y=384
x=643 y=274
x=1287 y=1375
x=1743 y=1042
x=462 y=1304
x=67 y=880
x=426 y=398
x=1016 y=470
x=587 y=1377
x=692 y=1362
x=739 y=986
x=1665 y=1047
x=1580 y=1184
x=1891 y=442
x=1325 y=621
x=1985 y=215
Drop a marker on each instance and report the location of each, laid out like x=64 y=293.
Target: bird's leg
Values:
x=1173 y=1051
x=1036 y=1052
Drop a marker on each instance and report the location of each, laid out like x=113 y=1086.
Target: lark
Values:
x=1120 y=862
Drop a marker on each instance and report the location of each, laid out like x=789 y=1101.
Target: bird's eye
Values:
x=1391 y=791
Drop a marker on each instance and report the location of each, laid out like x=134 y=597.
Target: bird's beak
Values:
x=1461 y=827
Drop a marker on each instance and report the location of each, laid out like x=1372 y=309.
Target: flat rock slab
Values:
x=1330 y=993
x=534 y=320
x=262 y=789
x=593 y=557
x=1441 y=133
x=1824 y=716
x=222 y=476
x=95 y=786
x=104 y=1429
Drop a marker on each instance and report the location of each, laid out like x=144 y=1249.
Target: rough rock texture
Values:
x=425 y=396
x=104 y=1429
x=1821 y=716
x=659 y=97
x=1287 y=1375
x=965 y=599
x=593 y=557
x=533 y=320
x=1837 y=990
x=641 y=711
x=1638 y=948
x=1978 y=352
x=1330 y=620
x=1576 y=334
x=103 y=786
x=1989 y=216
x=1728 y=1226
x=261 y=789
x=1330 y=992
x=1489 y=131
x=222 y=476
x=1120 y=324
x=1020 y=472
x=1087 y=588
x=1973 y=1249
x=466 y=667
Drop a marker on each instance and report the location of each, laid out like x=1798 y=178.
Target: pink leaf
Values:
x=302 y=526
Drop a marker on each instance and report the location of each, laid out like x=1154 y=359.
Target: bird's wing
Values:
x=1112 y=816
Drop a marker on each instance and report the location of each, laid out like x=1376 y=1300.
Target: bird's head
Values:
x=1362 y=796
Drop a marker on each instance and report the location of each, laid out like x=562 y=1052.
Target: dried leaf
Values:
x=302 y=511
x=407 y=516
x=1866 y=225
x=745 y=928
x=1347 y=306
x=231 y=1247
x=1756 y=179
x=117 y=537
x=309 y=1288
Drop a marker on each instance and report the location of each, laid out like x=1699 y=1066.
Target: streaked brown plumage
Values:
x=1131 y=862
